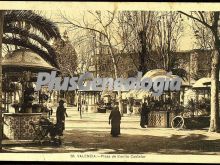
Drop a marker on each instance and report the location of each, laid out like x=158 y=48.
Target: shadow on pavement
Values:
x=102 y=142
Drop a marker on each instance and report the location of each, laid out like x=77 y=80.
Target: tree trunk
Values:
x=143 y=52
x=214 y=117
x=116 y=76
x=1 y=118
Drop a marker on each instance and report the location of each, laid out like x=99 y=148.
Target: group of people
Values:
x=115 y=118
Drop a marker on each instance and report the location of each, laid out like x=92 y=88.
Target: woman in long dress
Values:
x=115 y=121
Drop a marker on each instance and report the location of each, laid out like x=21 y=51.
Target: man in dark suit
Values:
x=144 y=114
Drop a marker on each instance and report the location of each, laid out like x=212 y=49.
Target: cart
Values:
x=46 y=131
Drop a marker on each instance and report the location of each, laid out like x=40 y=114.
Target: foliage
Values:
x=25 y=28
x=154 y=37
x=66 y=56
x=198 y=106
x=129 y=40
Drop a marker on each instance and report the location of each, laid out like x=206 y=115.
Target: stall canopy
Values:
x=25 y=60
x=201 y=83
x=153 y=74
x=208 y=82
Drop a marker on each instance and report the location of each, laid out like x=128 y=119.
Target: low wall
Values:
x=17 y=125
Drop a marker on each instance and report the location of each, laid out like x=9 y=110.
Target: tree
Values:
x=154 y=37
x=66 y=56
x=138 y=35
x=169 y=31
x=87 y=51
x=204 y=37
x=169 y=28
x=27 y=29
x=210 y=20
x=103 y=23
x=67 y=61
x=24 y=28
x=205 y=42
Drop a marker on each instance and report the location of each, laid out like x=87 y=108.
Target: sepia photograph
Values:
x=121 y=82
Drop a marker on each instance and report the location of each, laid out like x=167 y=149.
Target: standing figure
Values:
x=129 y=108
x=16 y=106
x=144 y=114
x=49 y=106
x=115 y=121
x=80 y=109
x=60 y=115
x=79 y=106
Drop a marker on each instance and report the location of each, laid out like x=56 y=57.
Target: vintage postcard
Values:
x=109 y=82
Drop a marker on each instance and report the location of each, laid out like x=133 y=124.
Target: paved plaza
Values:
x=92 y=134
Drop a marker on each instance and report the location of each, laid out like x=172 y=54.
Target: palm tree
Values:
x=28 y=30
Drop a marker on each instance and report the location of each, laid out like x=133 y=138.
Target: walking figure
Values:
x=129 y=108
x=144 y=114
x=80 y=109
x=60 y=115
x=115 y=121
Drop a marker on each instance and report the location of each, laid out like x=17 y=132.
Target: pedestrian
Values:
x=115 y=121
x=80 y=109
x=79 y=106
x=144 y=114
x=49 y=106
x=61 y=114
x=129 y=111
x=16 y=106
x=84 y=107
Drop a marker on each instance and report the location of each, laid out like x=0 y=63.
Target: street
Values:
x=92 y=134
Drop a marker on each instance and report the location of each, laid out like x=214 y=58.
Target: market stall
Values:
x=163 y=107
x=202 y=88
x=21 y=68
x=89 y=100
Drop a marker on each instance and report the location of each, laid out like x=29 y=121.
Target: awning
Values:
x=200 y=84
x=153 y=74
x=25 y=60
